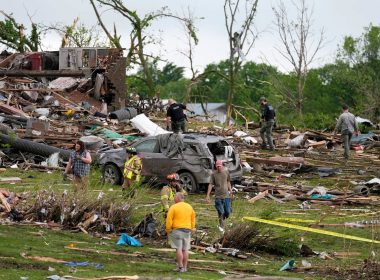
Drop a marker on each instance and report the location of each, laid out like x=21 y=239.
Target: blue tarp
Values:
x=362 y=137
x=319 y=196
x=125 y=239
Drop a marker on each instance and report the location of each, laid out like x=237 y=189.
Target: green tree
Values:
x=13 y=35
x=138 y=35
x=170 y=73
x=169 y=81
x=360 y=60
x=252 y=81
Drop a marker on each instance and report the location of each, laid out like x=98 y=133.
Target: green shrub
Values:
x=280 y=246
x=316 y=121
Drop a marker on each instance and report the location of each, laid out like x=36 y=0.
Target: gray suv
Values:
x=193 y=160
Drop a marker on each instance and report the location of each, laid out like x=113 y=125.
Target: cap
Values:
x=218 y=163
x=262 y=98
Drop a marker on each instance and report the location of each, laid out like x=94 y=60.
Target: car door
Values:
x=156 y=163
x=147 y=149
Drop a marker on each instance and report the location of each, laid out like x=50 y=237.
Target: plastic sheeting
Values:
x=146 y=227
x=75 y=264
x=171 y=144
x=362 y=138
x=364 y=121
x=246 y=138
x=297 y=142
x=145 y=125
x=373 y=181
x=110 y=134
x=125 y=239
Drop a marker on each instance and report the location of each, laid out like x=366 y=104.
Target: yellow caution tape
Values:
x=315 y=230
x=296 y=220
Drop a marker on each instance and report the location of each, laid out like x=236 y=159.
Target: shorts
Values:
x=180 y=239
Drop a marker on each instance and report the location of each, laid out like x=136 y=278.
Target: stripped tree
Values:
x=241 y=37
x=298 y=48
x=138 y=36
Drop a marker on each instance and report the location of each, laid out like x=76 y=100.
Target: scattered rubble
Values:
x=65 y=211
x=44 y=111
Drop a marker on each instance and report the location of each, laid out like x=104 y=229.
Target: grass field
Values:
x=20 y=245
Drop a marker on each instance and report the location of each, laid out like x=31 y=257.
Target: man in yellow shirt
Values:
x=179 y=224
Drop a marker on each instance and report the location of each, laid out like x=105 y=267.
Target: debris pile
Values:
x=74 y=212
x=48 y=100
x=282 y=193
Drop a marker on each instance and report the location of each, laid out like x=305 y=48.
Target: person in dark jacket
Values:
x=176 y=116
x=268 y=116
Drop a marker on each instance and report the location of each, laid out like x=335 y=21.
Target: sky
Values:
x=338 y=18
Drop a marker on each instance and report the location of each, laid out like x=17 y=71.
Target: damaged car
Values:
x=192 y=156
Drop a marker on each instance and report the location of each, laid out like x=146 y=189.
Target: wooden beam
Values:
x=5 y=203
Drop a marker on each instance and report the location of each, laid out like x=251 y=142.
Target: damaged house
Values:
x=103 y=67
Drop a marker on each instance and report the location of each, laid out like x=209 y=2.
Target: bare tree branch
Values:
x=113 y=40
x=240 y=38
x=297 y=46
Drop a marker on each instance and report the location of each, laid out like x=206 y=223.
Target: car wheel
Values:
x=111 y=174
x=188 y=182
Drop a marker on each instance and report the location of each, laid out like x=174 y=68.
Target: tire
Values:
x=188 y=182
x=362 y=190
x=111 y=174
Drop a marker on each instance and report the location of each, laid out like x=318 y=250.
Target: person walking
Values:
x=347 y=125
x=176 y=117
x=79 y=165
x=268 y=116
x=220 y=180
x=180 y=222
x=132 y=168
x=168 y=192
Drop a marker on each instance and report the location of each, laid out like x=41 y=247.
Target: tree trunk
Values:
x=144 y=64
x=299 y=102
x=231 y=90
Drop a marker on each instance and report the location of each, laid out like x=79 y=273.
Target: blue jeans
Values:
x=223 y=206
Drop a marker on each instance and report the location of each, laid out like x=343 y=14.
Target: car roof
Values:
x=205 y=138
